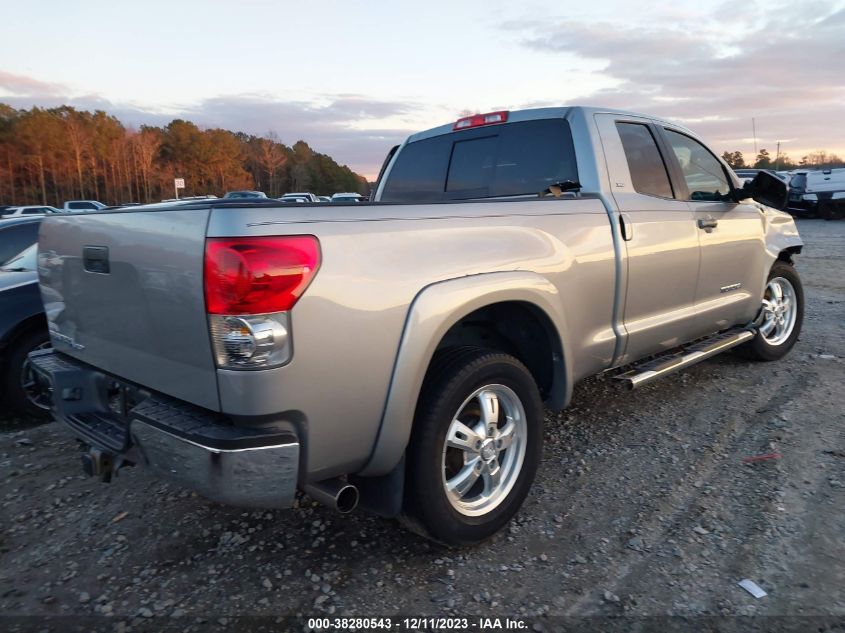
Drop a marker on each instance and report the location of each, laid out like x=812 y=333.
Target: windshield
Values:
x=26 y=260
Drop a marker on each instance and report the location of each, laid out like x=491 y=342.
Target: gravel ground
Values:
x=643 y=508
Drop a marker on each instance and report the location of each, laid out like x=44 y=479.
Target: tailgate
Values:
x=123 y=292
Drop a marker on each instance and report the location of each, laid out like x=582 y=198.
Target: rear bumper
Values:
x=240 y=466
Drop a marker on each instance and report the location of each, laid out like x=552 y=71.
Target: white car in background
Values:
x=13 y=212
x=81 y=206
x=299 y=197
x=347 y=197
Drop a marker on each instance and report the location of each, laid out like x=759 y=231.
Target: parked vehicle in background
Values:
x=16 y=234
x=12 y=212
x=347 y=197
x=23 y=329
x=239 y=195
x=748 y=173
x=83 y=205
x=810 y=189
x=3 y=207
x=745 y=174
x=205 y=197
x=324 y=198
x=506 y=256
x=299 y=197
x=797 y=186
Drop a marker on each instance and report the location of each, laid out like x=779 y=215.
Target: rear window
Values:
x=503 y=160
x=80 y=205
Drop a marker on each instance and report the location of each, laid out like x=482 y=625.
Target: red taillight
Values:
x=477 y=120
x=258 y=275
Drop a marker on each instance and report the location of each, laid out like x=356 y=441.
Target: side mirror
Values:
x=767 y=189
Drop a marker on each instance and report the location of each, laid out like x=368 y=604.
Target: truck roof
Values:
x=531 y=114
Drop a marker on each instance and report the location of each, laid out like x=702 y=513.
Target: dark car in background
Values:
x=244 y=195
x=23 y=329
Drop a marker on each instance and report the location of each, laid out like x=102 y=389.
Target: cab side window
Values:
x=703 y=173
x=648 y=171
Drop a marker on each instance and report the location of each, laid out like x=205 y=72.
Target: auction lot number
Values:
x=414 y=624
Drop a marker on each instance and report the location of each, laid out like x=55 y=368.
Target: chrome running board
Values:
x=651 y=370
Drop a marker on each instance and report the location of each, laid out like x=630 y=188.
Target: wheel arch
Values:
x=22 y=327
x=786 y=254
x=521 y=329
x=433 y=314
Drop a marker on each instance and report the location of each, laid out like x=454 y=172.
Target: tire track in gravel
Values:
x=676 y=513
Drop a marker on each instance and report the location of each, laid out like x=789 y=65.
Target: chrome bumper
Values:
x=256 y=477
x=235 y=465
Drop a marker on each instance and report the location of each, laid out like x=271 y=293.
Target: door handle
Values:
x=708 y=223
x=627 y=227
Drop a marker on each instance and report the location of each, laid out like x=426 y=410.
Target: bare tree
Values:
x=79 y=143
x=271 y=158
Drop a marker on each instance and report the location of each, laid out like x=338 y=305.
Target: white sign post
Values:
x=178 y=183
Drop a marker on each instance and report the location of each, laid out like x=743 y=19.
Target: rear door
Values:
x=731 y=235
x=661 y=250
x=123 y=291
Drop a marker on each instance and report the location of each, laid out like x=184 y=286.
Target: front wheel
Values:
x=475 y=446
x=781 y=318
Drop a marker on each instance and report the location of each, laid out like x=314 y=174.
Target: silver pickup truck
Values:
x=399 y=353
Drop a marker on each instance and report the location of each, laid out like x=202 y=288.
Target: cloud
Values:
x=333 y=125
x=715 y=72
x=13 y=84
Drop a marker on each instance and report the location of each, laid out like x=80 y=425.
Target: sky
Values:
x=354 y=78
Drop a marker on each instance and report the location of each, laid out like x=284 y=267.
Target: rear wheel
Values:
x=475 y=446
x=25 y=393
x=782 y=316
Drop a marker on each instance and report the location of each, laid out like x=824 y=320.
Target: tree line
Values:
x=819 y=159
x=51 y=155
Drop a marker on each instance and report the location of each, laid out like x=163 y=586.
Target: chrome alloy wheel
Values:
x=35 y=390
x=780 y=310
x=484 y=450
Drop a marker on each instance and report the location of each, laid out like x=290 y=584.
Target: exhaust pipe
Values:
x=335 y=493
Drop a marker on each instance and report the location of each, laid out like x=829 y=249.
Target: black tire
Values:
x=453 y=377
x=12 y=370
x=758 y=348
